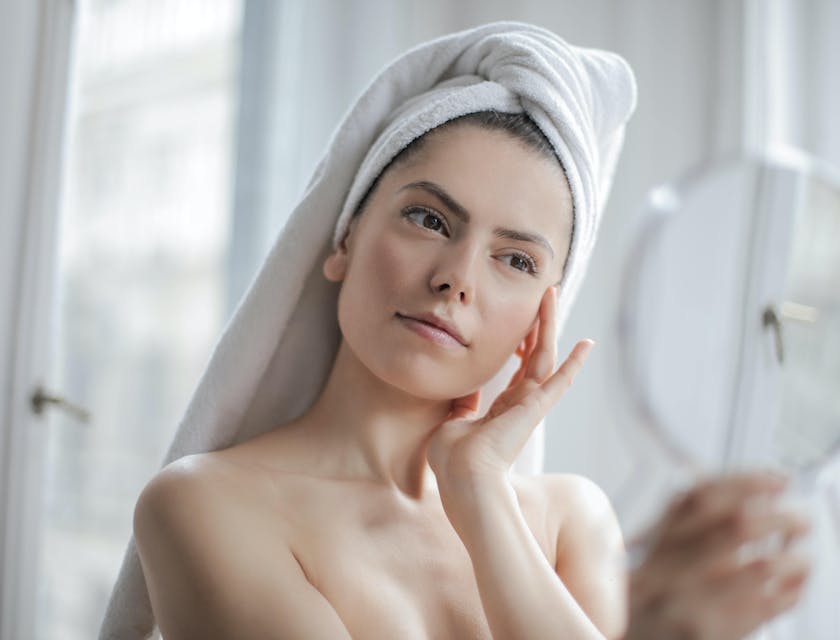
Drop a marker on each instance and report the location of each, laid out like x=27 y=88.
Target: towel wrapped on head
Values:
x=277 y=350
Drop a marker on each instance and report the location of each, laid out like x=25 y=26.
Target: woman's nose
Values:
x=455 y=274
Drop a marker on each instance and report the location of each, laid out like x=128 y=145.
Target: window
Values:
x=142 y=275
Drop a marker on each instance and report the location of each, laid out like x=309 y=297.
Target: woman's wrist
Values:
x=470 y=498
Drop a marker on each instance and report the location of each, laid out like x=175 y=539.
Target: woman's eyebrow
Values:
x=450 y=203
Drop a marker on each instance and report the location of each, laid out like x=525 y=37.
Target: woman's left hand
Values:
x=465 y=449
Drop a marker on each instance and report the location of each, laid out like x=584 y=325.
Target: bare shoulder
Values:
x=564 y=497
x=235 y=478
x=205 y=502
x=577 y=497
x=583 y=514
x=188 y=473
x=190 y=487
x=590 y=548
x=216 y=559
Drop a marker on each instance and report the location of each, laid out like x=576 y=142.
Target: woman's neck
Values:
x=374 y=431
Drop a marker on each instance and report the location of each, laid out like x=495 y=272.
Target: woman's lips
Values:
x=431 y=332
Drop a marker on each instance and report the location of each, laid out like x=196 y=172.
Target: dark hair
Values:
x=520 y=126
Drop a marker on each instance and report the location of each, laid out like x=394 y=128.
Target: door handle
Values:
x=41 y=398
x=771 y=319
x=794 y=311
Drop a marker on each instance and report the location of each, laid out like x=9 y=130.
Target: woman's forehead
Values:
x=489 y=174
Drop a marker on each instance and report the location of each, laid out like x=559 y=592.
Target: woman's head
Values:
x=471 y=222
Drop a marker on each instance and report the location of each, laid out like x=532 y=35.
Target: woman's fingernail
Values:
x=587 y=347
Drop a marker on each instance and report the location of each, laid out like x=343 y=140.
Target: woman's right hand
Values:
x=697 y=581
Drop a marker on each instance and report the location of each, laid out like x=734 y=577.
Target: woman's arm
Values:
x=591 y=559
x=205 y=575
x=522 y=595
x=471 y=456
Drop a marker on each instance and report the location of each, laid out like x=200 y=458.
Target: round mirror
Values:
x=730 y=318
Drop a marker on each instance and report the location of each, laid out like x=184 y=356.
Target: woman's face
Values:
x=447 y=233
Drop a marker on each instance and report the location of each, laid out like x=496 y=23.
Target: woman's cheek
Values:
x=498 y=343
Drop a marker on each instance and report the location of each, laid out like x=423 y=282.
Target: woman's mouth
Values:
x=430 y=331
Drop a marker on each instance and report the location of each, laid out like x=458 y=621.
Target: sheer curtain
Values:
x=140 y=282
x=303 y=63
x=792 y=82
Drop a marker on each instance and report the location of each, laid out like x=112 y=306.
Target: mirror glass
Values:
x=809 y=420
x=730 y=318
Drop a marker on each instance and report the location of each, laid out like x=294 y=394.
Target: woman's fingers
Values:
x=718 y=499
x=536 y=399
x=524 y=405
x=720 y=523
x=764 y=575
x=465 y=406
x=535 y=387
x=525 y=357
x=721 y=563
x=720 y=554
x=553 y=388
x=541 y=364
x=760 y=589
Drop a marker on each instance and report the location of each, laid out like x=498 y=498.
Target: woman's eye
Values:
x=427 y=219
x=430 y=220
x=523 y=262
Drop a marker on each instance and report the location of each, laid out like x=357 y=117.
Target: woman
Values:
x=406 y=505
x=373 y=497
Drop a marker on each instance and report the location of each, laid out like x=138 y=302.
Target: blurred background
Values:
x=152 y=149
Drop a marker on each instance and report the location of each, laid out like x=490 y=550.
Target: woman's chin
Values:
x=428 y=383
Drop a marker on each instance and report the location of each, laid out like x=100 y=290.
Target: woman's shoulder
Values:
x=590 y=556
x=196 y=490
x=576 y=490
x=564 y=491
x=241 y=467
x=578 y=509
x=194 y=473
x=216 y=556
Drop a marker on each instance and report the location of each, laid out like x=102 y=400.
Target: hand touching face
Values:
x=467 y=448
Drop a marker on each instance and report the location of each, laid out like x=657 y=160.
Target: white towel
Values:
x=278 y=348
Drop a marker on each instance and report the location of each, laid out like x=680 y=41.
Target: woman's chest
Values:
x=407 y=598
x=398 y=583
x=392 y=573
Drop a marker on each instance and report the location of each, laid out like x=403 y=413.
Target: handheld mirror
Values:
x=730 y=318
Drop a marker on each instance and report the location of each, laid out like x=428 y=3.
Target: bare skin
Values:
x=364 y=561
x=696 y=584
x=332 y=526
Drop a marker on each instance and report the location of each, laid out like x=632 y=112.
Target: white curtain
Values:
x=792 y=79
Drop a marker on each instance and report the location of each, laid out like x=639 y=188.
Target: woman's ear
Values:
x=335 y=266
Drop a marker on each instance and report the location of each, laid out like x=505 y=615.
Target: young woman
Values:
x=377 y=514
x=387 y=507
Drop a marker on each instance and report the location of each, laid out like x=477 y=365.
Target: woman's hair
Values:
x=520 y=126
